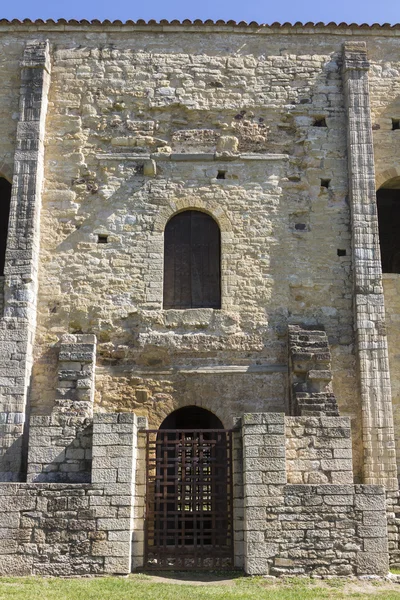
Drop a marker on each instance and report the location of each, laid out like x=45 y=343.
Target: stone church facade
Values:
x=200 y=283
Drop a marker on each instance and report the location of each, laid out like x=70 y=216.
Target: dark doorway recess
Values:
x=192 y=261
x=191 y=417
x=5 y=199
x=388 y=204
x=189 y=493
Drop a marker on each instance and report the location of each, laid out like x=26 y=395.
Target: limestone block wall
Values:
x=391 y=287
x=60 y=449
x=76 y=529
x=153 y=98
x=64 y=529
x=323 y=529
x=139 y=127
x=310 y=372
x=18 y=322
x=60 y=444
x=114 y=466
x=318 y=450
x=139 y=508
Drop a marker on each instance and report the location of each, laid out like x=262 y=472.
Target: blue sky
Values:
x=263 y=11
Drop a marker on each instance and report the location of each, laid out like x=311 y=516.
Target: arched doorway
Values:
x=189 y=493
x=388 y=205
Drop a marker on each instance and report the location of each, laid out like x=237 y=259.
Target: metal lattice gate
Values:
x=189 y=499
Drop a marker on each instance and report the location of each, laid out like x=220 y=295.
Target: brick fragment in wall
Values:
x=310 y=375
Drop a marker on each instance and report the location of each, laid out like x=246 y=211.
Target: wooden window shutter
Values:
x=192 y=261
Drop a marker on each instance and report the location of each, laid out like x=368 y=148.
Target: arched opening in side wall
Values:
x=5 y=200
x=388 y=205
x=189 y=521
x=191 y=417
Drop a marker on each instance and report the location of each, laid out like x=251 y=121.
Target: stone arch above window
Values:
x=388 y=206
x=5 y=199
x=192 y=261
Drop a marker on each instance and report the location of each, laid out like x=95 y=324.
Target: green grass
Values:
x=142 y=587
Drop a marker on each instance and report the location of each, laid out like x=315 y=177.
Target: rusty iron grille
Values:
x=189 y=499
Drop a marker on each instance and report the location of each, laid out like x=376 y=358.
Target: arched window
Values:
x=192 y=259
x=388 y=204
x=5 y=198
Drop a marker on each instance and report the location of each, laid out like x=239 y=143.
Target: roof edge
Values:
x=198 y=23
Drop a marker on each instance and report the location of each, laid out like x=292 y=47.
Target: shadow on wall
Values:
x=61 y=450
x=10 y=462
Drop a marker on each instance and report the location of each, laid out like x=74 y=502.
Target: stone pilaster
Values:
x=114 y=466
x=264 y=478
x=371 y=341
x=17 y=327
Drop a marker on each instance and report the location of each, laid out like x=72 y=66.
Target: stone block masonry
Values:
x=302 y=529
x=106 y=132
x=64 y=529
x=310 y=373
x=60 y=444
x=76 y=529
x=318 y=450
x=371 y=339
x=18 y=323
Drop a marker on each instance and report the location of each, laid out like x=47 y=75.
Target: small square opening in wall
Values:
x=395 y=124
x=341 y=252
x=325 y=183
x=320 y=122
x=221 y=174
x=102 y=238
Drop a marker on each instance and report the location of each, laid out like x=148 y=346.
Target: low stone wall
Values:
x=328 y=530
x=61 y=529
x=318 y=450
x=98 y=528
x=76 y=529
x=322 y=529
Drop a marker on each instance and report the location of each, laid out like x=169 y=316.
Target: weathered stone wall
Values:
x=110 y=109
x=60 y=444
x=77 y=529
x=310 y=373
x=325 y=529
x=64 y=529
x=318 y=450
x=391 y=286
x=141 y=123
